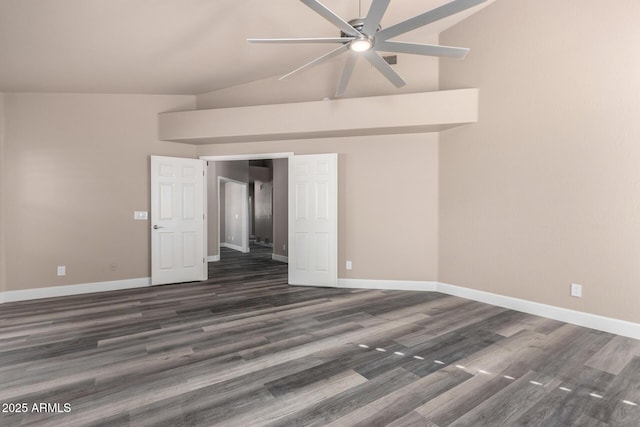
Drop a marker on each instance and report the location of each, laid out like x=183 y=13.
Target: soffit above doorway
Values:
x=379 y=115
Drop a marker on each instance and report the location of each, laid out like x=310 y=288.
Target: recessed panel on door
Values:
x=166 y=249
x=188 y=201
x=189 y=250
x=167 y=198
x=323 y=168
x=321 y=241
x=322 y=201
x=302 y=201
x=302 y=251
x=301 y=169
x=188 y=172
x=166 y=170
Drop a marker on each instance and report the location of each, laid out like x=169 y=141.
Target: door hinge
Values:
x=204 y=261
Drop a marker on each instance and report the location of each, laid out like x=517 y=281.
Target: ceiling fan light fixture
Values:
x=361 y=45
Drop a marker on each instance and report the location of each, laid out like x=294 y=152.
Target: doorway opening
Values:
x=309 y=237
x=260 y=220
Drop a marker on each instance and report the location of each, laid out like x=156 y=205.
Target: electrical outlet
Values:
x=349 y=265
x=62 y=270
x=576 y=290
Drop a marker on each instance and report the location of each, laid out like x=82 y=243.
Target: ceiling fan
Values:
x=364 y=37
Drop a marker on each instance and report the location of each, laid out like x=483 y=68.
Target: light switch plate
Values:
x=141 y=215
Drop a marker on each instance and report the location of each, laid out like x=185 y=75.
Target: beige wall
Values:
x=3 y=268
x=545 y=189
x=387 y=201
x=79 y=167
x=420 y=73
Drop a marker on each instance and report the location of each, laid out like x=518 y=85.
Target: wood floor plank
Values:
x=615 y=355
x=398 y=403
x=412 y=419
x=327 y=410
x=506 y=406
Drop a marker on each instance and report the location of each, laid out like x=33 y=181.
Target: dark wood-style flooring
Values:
x=246 y=349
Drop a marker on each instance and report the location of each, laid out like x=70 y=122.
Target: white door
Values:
x=313 y=220
x=178 y=226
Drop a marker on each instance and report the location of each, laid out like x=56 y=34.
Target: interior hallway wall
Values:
x=262 y=181
x=79 y=168
x=544 y=190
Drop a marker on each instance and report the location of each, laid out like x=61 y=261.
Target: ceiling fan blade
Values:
x=327 y=14
x=376 y=12
x=304 y=40
x=427 y=18
x=382 y=66
x=317 y=61
x=346 y=73
x=422 y=49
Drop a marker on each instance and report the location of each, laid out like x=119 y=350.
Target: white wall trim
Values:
x=259 y=156
x=280 y=258
x=593 y=321
x=234 y=247
x=213 y=258
x=396 y=285
x=85 y=288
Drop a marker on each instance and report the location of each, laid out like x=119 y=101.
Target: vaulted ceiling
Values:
x=170 y=46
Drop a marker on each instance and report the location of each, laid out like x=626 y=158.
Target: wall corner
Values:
x=3 y=264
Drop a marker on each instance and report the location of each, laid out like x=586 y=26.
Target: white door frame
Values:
x=244 y=247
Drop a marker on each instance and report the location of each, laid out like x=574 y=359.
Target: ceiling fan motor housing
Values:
x=358 y=24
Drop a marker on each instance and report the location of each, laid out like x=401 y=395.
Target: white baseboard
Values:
x=213 y=258
x=234 y=247
x=280 y=258
x=85 y=288
x=601 y=323
x=396 y=285
x=593 y=321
